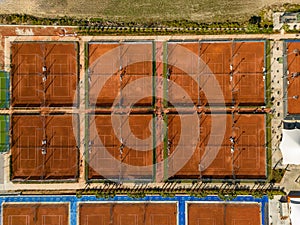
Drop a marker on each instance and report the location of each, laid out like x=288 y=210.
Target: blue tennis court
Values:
x=180 y=201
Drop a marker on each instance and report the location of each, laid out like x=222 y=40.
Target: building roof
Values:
x=290 y=144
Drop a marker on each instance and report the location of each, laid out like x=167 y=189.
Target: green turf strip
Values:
x=4 y=133
x=4 y=89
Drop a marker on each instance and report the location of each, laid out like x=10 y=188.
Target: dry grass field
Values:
x=141 y=10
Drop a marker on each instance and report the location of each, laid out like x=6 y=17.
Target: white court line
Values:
x=128 y=202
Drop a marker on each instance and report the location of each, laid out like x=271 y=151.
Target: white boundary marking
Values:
x=218 y=202
x=129 y=202
x=34 y=203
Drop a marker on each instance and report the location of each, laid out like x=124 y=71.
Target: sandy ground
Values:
x=18 y=6
x=134 y=10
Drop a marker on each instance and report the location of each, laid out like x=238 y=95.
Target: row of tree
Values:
x=99 y=22
x=225 y=192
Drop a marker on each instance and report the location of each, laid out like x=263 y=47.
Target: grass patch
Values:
x=4 y=89
x=268 y=74
x=143 y=10
x=147 y=13
x=277 y=175
x=291 y=7
x=4 y=133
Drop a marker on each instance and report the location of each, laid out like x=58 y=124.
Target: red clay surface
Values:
x=246 y=58
x=61 y=158
x=28 y=59
x=38 y=31
x=101 y=165
x=249 y=158
x=128 y=214
x=35 y=214
x=293 y=66
x=110 y=61
x=223 y=214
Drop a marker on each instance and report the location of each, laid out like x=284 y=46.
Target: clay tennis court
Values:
x=115 y=65
x=237 y=67
x=35 y=214
x=248 y=159
x=44 y=73
x=128 y=214
x=43 y=147
x=105 y=161
x=293 y=78
x=224 y=213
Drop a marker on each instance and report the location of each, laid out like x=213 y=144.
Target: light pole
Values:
x=295 y=97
